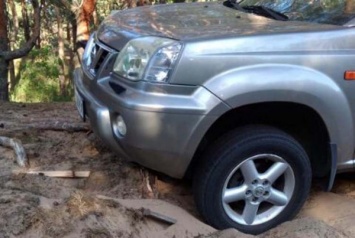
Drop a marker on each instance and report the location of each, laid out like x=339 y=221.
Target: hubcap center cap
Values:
x=258 y=191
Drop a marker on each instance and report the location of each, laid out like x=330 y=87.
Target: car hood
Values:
x=191 y=21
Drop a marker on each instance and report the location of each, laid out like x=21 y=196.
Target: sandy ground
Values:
x=110 y=202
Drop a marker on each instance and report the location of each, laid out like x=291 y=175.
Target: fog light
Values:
x=119 y=126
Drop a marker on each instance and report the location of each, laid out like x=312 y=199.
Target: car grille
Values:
x=97 y=56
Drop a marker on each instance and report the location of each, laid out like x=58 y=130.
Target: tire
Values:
x=252 y=179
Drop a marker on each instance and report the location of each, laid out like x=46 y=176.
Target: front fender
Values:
x=289 y=83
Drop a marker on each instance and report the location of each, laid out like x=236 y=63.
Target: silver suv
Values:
x=250 y=107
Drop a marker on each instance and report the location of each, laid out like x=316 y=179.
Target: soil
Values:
x=110 y=202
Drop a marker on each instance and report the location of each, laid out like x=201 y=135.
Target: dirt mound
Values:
x=305 y=228
x=83 y=215
x=228 y=233
x=298 y=228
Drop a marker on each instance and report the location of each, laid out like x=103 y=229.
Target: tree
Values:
x=85 y=14
x=6 y=54
x=349 y=6
x=80 y=15
x=4 y=44
x=84 y=18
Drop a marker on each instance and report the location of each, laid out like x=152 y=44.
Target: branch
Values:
x=52 y=126
x=61 y=3
x=15 y=54
x=16 y=145
x=65 y=3
x=60 y=126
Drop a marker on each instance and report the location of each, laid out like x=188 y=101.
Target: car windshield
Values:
x=336 y=12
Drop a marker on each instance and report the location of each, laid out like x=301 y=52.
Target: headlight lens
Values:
x=147 y=58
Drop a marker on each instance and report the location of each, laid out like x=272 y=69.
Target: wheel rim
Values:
x=258 y=189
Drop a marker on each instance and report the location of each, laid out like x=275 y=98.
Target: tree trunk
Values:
x=74 y=33
x=350 y=6
x=6 y=54
x=68 y=32
x=39 y=38
x=131 y=3
x=83 y=24
x=70 y=50
x=84 y=18
x=4 y=46
x=4 y=94
x=95 y=18
x=25 y=20
x=38 y=42
x=12 y=75
x=61 y=56
x=14 y=20
x=14 y=36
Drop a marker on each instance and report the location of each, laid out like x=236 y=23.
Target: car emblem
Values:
x=259 y=191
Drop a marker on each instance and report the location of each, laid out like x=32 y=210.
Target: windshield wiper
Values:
x=258 y=10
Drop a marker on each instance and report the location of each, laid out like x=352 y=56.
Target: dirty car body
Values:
x=166 y=115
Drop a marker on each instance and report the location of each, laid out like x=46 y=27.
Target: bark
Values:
x=76 y=57
x=12 y=74
x=70 y=51
x=38 y=42
x=25 y=20
x=74 y=30
x=131 y=3
x=61 y=126
x=350 y=6
x=14 y=32
x=14 y=19
x=4 y=91
x=84 y=18
x=50 y=126
x=95 y=18
x=62 y=66
x=3 y=27
x=68 y=33
x=83 y=23
x=4 y=46
x=141 y=3
x=39 y=39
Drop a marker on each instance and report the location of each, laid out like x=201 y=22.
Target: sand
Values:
x=110 y=202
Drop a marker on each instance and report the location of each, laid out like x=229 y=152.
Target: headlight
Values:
x=147 y=58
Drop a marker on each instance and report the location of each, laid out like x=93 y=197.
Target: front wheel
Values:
x=252 y=179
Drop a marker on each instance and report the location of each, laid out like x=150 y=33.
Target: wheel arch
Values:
x=286 y=116
x=283 y=87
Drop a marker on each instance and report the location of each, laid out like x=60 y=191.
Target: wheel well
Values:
x=300 y=121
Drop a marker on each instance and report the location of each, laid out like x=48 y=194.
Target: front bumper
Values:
x=163 y=130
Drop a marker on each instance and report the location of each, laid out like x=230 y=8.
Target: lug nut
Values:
x=248 y=192
x=255 y=182
x=266 y=193
x=265 y=183
x=255 y=199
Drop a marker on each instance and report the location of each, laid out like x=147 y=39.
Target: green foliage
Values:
x=38 y=79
